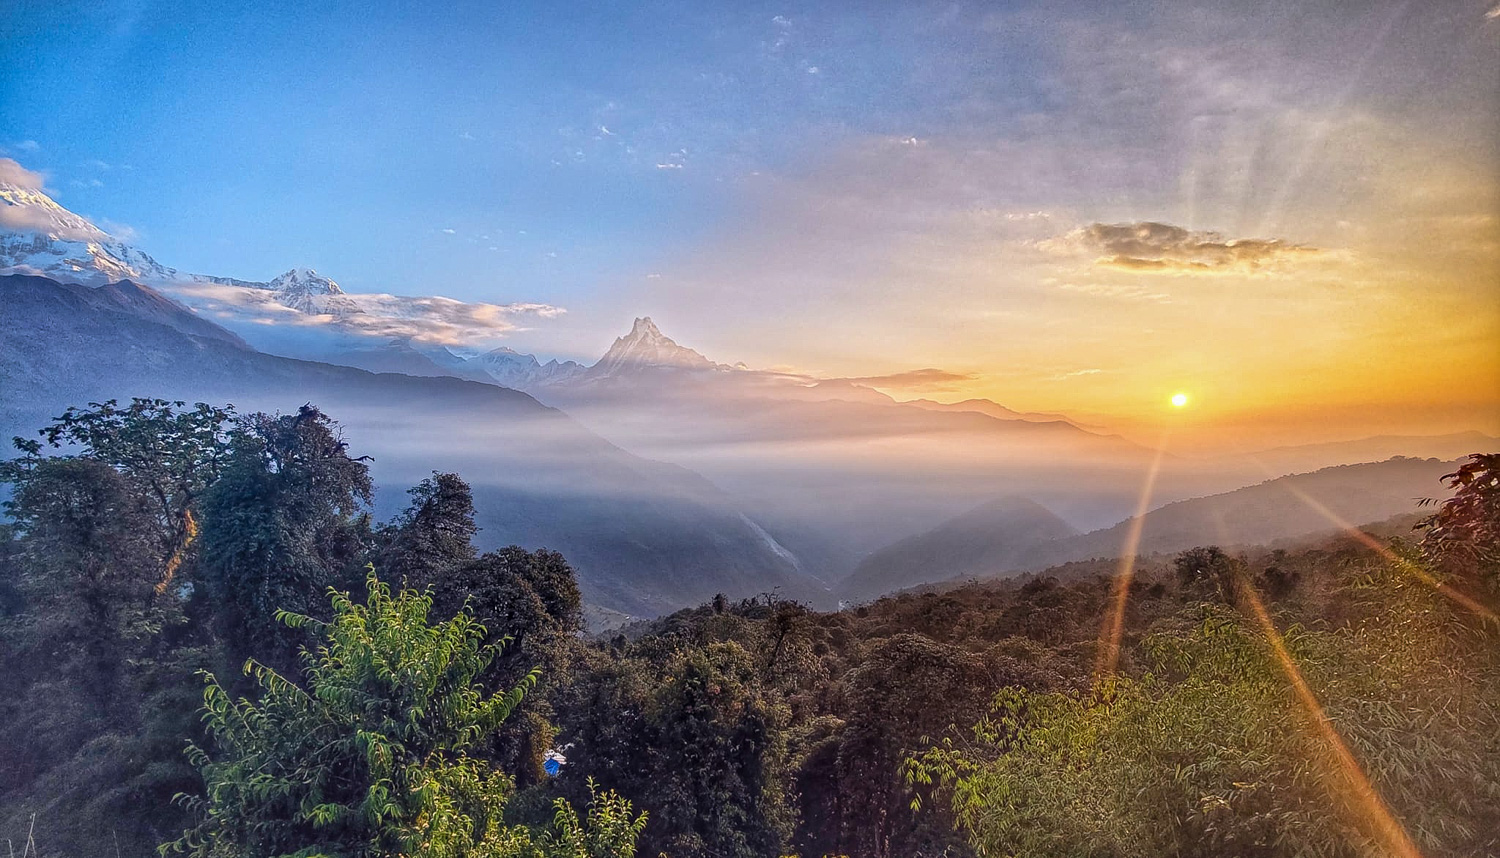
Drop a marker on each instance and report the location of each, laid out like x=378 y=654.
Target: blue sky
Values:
x=846 y=188
x=245 y=138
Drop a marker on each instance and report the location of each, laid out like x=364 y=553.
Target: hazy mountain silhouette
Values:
x=995 y=535
x=646 y=537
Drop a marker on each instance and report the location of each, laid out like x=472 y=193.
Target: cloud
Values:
x=121 y=231
x=1079 y=373
x=376 y=315
x=1147 y=246
x=916 y=379
x=28 y=145
x=1115 y=290
x=12 y=173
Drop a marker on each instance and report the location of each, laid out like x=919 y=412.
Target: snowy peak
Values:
x=646 y=346
x=644 y=328
x=307 y=291
x=510 y=368
x=40 y=237
x=31 y=210
x=304 y=281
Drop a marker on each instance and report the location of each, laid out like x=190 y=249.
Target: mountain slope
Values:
x=1284 y=508
x=985 y=540
x=1000 y=542
x=646 y=347
x=645 y=537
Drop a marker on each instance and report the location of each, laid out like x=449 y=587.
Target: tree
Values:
x=96 y=652
x=433 y=535
x=908 y=689
x=284 y=522
x=1464 y=534
x=1210 y=752
x=533 y=596
x=694 y=737
x=371 y=757
x=1208 y=572
x=168 y=455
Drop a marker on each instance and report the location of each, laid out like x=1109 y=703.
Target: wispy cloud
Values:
x=929 y=378
x=12 y=173
x=1148 y=246
x=377 y=315
x=1079 y=373
x=1115 y=290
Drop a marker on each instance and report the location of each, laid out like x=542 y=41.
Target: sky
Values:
x=1290 y=211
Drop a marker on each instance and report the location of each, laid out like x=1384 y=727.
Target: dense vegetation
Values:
x=382 y=689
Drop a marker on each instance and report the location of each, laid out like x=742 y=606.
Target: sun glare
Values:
x=1179 y=400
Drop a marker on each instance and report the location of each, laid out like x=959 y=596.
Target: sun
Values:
x=1179 y=400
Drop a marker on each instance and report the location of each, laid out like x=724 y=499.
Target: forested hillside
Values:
x=208 y=641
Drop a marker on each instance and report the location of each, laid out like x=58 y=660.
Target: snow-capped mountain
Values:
x=308 y=291
x=510 y=368
x=647 y=347
x=40 y=237
x=374 y=331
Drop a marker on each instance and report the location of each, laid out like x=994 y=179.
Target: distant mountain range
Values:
x=1008 y=536
x=646 y=537
x=777 y=479
x=997 y=535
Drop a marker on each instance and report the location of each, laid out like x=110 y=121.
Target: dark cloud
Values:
x=1161 y=247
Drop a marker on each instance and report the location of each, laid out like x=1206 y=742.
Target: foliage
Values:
x=534 y=597
x=282 y=523
x=96 y=652
x=1464 y=534
x=372 y=757
x=148 y=543
x=695 y=739
x=1209 y=752
x=433 y=535
x=168 y=456
x=1208 y=571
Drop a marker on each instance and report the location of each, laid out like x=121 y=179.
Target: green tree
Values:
x=1208 y=572
x=1210 y=752
x=533 y=596
x=432 y=536
x=1463 y=536
x=371 y=758
x=168 y=455
x=694 y=737
x=285 y=520
x=908 y=688
x=96 y=652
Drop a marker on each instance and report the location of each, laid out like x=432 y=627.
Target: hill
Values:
x=645 y=537
x=993 y=536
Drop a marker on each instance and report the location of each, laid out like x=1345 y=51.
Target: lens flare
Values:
x=1394 y=559
x=1377 y=815
x=1114 y=622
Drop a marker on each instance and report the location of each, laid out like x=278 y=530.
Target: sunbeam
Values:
x=1109 y=635
x=1376 y=815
